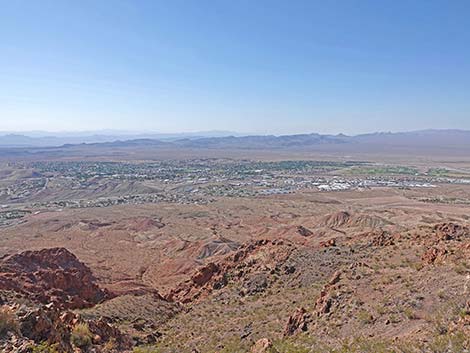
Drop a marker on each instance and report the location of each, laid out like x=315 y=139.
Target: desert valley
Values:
x=148 y=247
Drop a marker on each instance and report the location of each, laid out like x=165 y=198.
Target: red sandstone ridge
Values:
x=51 y=275
x=253 y=257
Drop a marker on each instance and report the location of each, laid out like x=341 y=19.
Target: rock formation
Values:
x=51 y=275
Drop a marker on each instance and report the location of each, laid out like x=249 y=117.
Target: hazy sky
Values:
x=244 y=65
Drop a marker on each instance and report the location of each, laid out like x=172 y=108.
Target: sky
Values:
x=257 y=66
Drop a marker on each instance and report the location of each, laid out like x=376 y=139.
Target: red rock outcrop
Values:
x=451 y=231
x=205 y=273
x=325 y=300
x=297 y=322
x=257 y=255
x=382 y=238
x=45 y=325
x=433 y=255
x=104 y=331
x=51 y=275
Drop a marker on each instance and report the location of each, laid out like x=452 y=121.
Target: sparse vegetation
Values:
x=146 y=349
x=365 y=317
x=81 y=336
x=455 y=342
x=290 y=346
x=410 y=314
x=44 y=347
x=462 y=268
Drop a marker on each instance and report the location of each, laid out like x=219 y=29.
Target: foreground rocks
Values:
x=285 y=291
x=65 y=331
x=37 y=290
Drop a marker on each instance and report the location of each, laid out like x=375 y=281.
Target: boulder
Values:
x=263 y=345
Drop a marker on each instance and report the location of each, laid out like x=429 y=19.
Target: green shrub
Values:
x=81 y=336
x=44 y=347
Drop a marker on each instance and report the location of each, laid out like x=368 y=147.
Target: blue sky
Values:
x=246 y=65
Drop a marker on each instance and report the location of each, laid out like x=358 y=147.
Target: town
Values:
x=59 y=185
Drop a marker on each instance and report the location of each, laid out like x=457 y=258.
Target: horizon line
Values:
x=119 y=132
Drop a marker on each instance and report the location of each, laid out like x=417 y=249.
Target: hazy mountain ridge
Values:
x=424 y=138
x=48 y=139
x=450 y=137
x=263 y=141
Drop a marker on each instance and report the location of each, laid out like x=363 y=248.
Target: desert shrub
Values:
x=44 y=347
x=146 y=349
x=363 y=346
x=81 y=336
x=110 y=346
x=8 y=320
x=234 y=345
x=289 y=346
x=410 y=314
x=456 y=342
x=461 y=268
x=365 y=317
x=394 y=318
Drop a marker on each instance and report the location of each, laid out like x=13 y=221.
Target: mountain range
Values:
x=442 y=139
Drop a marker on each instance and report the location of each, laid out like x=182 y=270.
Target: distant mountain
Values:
x=13 y=140
x=425 y=138
x=45 y=139
x=126 y=143
x=416 y=138
x=445 y=140
x=262 y=142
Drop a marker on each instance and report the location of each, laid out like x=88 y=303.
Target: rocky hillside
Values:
x=353 y=283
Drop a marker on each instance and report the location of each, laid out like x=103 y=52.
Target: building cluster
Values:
x=59 y=185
